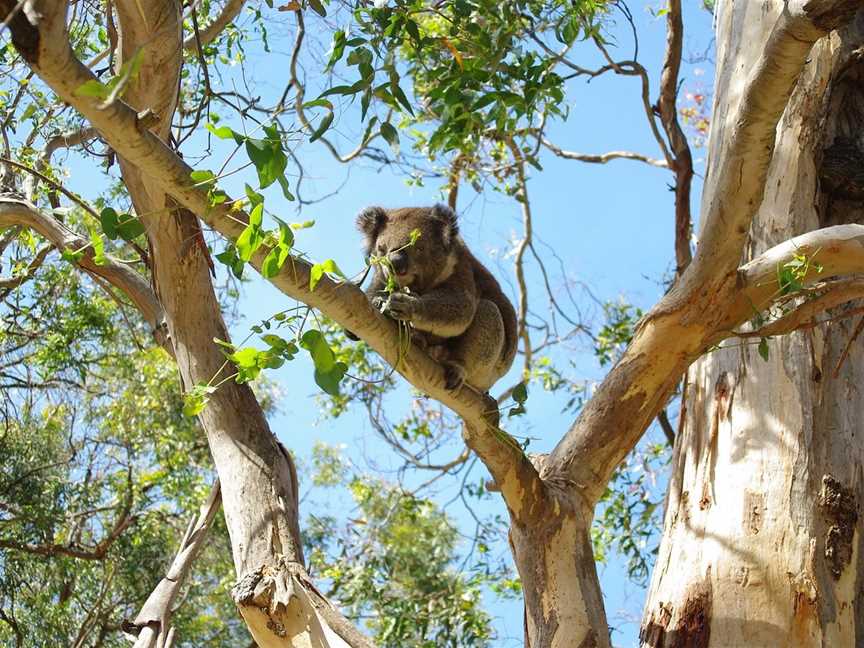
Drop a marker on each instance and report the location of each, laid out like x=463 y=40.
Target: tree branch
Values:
x=740 y=183
x=64 y=140
x=153 y=622
x=10 y=283
x=229 y=12
x=668 y=109
x=837 y=250
x=295 y=82
x=603 y=158
x=828 y=295
x=21 y=213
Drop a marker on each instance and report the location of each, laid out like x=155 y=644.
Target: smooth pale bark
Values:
x=761 y=542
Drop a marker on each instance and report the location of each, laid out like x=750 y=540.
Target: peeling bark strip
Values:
x=692 y=627
x=840 y=509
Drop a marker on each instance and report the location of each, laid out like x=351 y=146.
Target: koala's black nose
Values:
x=399 y=261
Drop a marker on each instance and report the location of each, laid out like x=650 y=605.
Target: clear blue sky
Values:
x=611 y=225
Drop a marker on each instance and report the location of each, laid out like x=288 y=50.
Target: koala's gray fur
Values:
x=458 y=310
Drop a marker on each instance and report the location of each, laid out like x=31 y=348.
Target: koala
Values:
x=458 y=311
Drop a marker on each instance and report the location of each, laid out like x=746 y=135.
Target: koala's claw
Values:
x=401 y=306
x=351 y=335
x=454 y=376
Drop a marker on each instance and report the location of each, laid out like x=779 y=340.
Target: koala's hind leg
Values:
x=475 y=354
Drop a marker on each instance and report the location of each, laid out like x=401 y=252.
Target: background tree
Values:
x=486 y=81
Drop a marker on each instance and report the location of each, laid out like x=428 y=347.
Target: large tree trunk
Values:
x=761 y=543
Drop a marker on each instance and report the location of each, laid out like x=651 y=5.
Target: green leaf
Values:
x=28 y=112
x=250 y=361
x=318 y=8
x=286 y=236
x=72 y=256
x=364 y=107
x=328 y=372
x=251 y=237
x=400 y=96
x=413 y=31
x=229 y=258
x=129 y=227
x=319 y=103
x=520 y=392
x=322 y=355
x=763 y=348
x=337 y=50
x=254 y=197
x=245 y=357
x=329 y=266
x=286 y=191
x=322 y=127
x=93 y=88
x=270 y=266
x=519 y=410
x=108 y=218
x=329 y=381
x=485 y=100
x=388 y=132
x=222 y=132
x=203 y=177
x=196 y=398
x=98 y=248
x=267 y=156
x=256 y=216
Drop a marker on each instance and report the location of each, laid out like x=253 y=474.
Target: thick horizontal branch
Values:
x=828 y=252
x=826 y=296
x=46 y=49
x=18 y=212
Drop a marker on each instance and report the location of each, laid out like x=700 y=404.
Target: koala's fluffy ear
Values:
x=370 y=222
x=449 y=226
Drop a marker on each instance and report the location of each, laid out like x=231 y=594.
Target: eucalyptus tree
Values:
x=485 y=79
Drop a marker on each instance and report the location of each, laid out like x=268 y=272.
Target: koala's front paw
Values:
x=454 y=375
x=378 y=302
x=402 y=306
